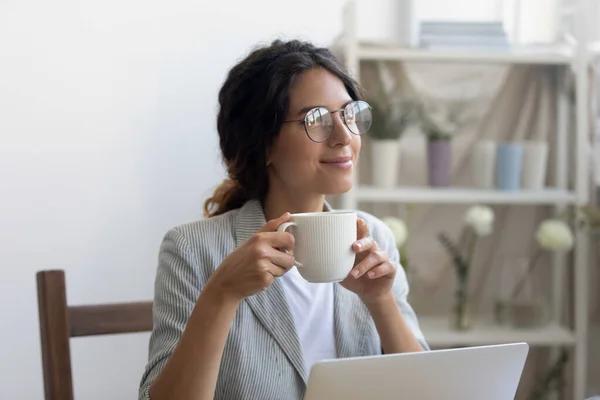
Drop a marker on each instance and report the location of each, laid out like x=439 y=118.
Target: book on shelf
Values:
x=463 y=36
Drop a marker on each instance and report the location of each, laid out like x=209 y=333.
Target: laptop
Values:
x=472 y=373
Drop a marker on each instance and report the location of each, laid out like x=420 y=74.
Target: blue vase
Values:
x=509 y=163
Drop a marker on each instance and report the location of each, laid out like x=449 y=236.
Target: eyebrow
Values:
x=304 y=110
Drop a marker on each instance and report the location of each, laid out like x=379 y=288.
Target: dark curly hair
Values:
x=253 y=103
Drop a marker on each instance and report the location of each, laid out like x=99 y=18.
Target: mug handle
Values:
x=282 y=228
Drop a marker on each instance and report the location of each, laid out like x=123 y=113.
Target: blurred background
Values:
x=108 y=139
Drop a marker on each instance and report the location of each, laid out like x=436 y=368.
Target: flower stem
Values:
x=471 y=242
x=519 y=287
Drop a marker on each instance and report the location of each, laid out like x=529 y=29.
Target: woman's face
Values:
x=298 y=164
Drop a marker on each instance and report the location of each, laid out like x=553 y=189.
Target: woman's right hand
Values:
x=255 y=264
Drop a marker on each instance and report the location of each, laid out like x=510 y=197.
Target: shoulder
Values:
x=218 y=227
x=208 y=238
x=191 y=251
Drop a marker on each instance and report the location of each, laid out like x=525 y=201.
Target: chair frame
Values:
x=59 y=322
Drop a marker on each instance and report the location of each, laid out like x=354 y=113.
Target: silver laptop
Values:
x=473 y=373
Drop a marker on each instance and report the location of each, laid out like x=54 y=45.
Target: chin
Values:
x=337 y=187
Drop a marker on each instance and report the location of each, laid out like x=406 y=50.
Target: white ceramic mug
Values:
x=323 y=244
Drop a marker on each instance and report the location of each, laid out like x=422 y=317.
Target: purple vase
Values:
x=439 y=160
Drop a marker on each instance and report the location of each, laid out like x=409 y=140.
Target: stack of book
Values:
x=467 y=35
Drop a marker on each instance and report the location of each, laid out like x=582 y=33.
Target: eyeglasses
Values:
x=318 y=122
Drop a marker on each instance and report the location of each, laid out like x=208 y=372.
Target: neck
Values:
x=278 y=202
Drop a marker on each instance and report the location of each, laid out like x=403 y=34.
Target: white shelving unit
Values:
x=438 y=334
x=370 y=52
x=463 y=195
x=574 y=58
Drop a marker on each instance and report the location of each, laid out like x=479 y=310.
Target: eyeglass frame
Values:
x=303 y=120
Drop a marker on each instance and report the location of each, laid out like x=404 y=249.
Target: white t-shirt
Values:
x=311 y=305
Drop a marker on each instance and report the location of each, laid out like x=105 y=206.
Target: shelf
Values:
x=438 y=334
x=571 y=57
x=547 y=56
x=463 y=196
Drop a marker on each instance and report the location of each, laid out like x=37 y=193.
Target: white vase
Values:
x=483 y=164
x=385 y=157
x=535 y=165
x=396 y=21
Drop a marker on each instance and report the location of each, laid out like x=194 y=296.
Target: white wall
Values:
x=107 y=140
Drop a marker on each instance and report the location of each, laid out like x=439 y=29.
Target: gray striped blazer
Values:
x=262 y=358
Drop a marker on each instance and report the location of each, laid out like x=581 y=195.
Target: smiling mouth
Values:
x=339 y=162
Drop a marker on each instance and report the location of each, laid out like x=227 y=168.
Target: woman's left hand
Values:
x=373 y=273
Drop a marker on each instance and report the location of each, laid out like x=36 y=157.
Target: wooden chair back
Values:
x=59 y=322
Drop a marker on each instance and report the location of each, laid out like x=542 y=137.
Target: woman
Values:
x=232 y=318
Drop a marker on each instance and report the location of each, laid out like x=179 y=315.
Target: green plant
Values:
x=440 y=121
x=552 y=380
x=393 y=104
x=552 y=235
x=391 y=116
x=592 y=217
x=437 y=126
x=436 y=135
x=478 y=222
x=461 y=266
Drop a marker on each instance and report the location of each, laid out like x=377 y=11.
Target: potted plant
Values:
x=439 y=124
x=478 y=222
x=391 y=116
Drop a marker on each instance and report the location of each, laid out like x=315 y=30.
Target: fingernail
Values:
x=371 y=274
x=359 y=246
x=355 y=273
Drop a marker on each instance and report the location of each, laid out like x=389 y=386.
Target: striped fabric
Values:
x=262 y=358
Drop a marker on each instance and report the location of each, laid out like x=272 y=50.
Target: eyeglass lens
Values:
x=319 y=121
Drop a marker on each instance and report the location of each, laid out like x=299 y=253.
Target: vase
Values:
x=509 y=161
x=439 y=162
x=396 y=22
x=535 y=162
x=385 y=157
x=461 y=318
x=483 y=164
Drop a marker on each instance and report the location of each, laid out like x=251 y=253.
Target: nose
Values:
x=340 y=135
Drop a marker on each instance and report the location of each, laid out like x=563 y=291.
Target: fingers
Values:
x=269 y=269
x=384 y=269
x=277 y=240
x=374 y=259
x=281 y=259
x=277 y=271
x=265 y=249
x=362 y=229
x=364 y=244
x=273 y=224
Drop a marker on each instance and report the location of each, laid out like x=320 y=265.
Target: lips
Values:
x=337 y=160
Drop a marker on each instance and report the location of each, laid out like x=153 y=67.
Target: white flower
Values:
x=398 y=228
x=554 y=234
x=481 y=219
